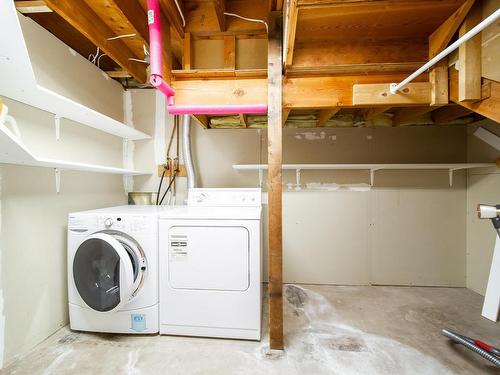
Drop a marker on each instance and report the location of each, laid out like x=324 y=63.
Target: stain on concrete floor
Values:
x=328 y=330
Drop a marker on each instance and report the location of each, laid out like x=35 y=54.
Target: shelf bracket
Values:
x=297 y=179
x=57 y=175
x=57 y=123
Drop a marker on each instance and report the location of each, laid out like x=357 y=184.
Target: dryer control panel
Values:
x=225 y=197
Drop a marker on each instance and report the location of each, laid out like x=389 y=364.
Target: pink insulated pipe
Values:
x=156 y=47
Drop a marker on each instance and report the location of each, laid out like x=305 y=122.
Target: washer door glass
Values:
x=103 y=273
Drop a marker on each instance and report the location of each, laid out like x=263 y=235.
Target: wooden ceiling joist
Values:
x=220 y=8
x=416 y=93
x=291 y=28
x=171 y=13
x=449 y=113
x=469 y=58
x=370 y=113
x=488 y=107
x=405 y=115
x=326 y=114
x=81 y=16
x=34 y=6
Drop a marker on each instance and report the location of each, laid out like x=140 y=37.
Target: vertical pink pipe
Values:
x=155 y=49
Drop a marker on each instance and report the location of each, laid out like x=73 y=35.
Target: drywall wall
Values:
x=59 y=68
x=33 y=217
x=33 y=224
x=408 y=230
x=483 y=186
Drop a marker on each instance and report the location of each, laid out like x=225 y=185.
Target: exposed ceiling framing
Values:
x=339 y=55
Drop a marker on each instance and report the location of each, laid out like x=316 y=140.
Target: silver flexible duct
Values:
x=483 y=353
x=186 y=151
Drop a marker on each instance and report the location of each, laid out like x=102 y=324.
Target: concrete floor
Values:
x=329 y=330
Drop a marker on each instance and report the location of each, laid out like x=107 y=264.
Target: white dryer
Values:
x=113 y=269
x=210 y=265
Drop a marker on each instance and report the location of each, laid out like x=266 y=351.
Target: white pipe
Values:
x=186 y=151
x=470 y=34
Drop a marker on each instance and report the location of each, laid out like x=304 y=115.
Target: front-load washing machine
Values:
x=113 y=269
x=210 y=265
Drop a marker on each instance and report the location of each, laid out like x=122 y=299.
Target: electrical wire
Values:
x=248 y=19
x=122 y=36
x=159 y=186
x=180 y=13
x=168 y=187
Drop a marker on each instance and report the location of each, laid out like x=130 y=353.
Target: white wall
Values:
x=483 y=186
x=408 y=230
x=33 y=287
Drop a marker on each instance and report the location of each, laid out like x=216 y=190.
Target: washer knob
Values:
x=108 y=222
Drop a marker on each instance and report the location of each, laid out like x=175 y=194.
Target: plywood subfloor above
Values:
x=337 y=20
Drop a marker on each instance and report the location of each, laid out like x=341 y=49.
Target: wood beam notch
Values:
x=274 y=182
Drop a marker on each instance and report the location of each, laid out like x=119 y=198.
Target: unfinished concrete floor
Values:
x=329 y=330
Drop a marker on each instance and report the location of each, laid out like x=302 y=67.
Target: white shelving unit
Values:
x=372 y=168
x=13 y=151
x=18 y=82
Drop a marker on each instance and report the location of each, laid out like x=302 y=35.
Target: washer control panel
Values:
x=225 y=197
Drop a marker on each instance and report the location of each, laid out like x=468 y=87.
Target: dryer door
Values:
x=103 y=273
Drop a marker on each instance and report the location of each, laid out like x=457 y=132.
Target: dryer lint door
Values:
x=209 y=258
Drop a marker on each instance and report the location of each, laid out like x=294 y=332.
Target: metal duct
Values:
x=186 y=151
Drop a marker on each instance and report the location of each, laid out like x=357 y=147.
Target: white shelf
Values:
x=13 y=151
x=18 y=82
x=372 y=168
x=454 y=166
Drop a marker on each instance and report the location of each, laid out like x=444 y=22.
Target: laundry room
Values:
x=231 y=186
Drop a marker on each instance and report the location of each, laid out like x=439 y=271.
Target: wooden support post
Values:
x=186 y=53
x=469 y=58
x=230 y=52
x=274 y=181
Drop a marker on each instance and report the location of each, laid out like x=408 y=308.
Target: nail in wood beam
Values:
x=274 y=182
x=326 y=114
x=469 y=58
